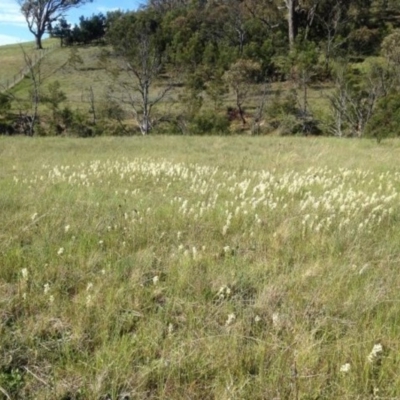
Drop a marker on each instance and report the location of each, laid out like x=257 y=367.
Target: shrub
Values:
x=209 y=123
x=5 y=103
x=76 y=123
x=386 y=120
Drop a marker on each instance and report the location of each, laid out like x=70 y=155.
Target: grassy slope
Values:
x=149 y=298
x=75 y=82
x=12 y=58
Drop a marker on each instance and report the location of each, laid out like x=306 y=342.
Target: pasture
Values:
x=199 y=268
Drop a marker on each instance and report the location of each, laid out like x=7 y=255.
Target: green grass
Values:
x=76 y=81
x=201 y=268
x=12 y=58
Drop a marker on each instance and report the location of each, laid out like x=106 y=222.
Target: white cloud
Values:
x=7 y=39
x=10 y=13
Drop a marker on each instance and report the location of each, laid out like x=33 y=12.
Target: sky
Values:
x=13 y=27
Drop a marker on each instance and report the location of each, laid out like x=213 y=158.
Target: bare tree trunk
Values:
x=240 y=108
x=92 y=104
x=255 y=128
x=38 y=41
x=292 y=26
x=145 y=124
x=34 y=73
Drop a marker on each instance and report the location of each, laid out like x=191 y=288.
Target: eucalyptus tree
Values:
x=137 y=40
x=40 y=14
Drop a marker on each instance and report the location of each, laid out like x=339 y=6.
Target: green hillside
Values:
x=76 y=81
x=12 y=58
x=307 y=68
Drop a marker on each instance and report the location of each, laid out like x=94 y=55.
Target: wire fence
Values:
x=9 y=83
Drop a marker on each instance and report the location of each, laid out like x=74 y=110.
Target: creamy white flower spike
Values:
x=323 y=201
x=230 y=320
x=376 y=352
x=25 y=274
x=345 y=368
x=224 y=292
x=46 y=288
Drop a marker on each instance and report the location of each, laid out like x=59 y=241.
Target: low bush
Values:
x=210 y=123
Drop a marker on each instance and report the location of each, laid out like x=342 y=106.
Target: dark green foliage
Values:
x=12 y=380
x=221 y=52
x=5 y=103
x=386 y=120
x=62 y=30
x=53 y=97
x=6 y=126
x=127 y=30
x=364 y=41
x=90 y=30
x=210 y=123
x=76 y=123
x=39 y=15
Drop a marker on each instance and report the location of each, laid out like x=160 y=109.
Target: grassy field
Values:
x=199 y=268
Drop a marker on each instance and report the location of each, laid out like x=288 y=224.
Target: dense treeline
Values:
x=91 y=30
x=208 y=50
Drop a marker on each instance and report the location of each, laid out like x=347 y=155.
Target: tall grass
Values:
x=201 y=268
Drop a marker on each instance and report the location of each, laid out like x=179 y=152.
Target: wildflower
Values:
x=257 y=319
x=223 y=292
x=101 y=242
x=24 y=273
x=155 y=280
x=345 y=368
x=276 y=320
x=363 y=269
x=170 y=328
x=46 y=288
x=60 y=251
x=226 y=249
x=231 y=319
x=51 y=299
x=89 y=286
x=375 y=353
x=66 y=228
